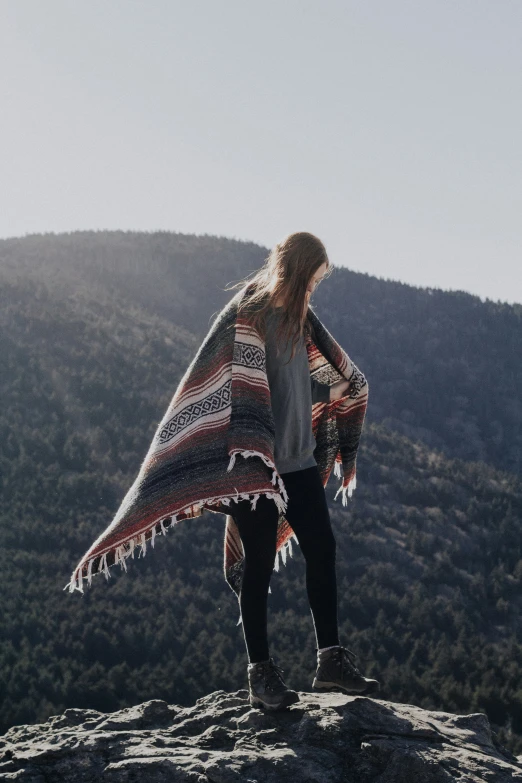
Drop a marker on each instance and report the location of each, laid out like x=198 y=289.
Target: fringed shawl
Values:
x=215 y=445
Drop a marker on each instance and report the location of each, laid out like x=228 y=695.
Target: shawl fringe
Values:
x=129 y=547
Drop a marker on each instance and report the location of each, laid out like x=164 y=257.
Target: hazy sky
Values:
x=391 y=129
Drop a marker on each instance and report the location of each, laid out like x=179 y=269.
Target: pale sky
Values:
x=392 y=129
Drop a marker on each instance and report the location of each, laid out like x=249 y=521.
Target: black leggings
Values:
x=308 y=516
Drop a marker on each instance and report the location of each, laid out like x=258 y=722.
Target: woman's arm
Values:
x=339 y=389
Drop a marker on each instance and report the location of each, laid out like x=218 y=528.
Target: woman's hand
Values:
x=339 y=389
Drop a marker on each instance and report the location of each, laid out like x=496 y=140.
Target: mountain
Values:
x=97 y=330
x=444 y=366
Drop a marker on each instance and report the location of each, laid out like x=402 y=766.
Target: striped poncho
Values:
x=215 y=445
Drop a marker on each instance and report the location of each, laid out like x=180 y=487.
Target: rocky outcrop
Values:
x=325 y=738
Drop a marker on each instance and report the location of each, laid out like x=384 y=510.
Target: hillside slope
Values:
x=430 y=560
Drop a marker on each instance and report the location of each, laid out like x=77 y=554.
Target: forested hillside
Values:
x=97 y=329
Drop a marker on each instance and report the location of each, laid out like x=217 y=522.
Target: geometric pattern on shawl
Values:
x=215 y=446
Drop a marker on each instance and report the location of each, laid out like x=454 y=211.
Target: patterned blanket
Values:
x=215 y=445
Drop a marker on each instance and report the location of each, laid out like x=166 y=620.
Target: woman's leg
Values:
x=258 y=530
x=307 y=513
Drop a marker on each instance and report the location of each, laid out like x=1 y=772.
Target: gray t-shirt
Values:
x=292 y=392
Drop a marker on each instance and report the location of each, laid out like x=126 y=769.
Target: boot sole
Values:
x=325 y=687
x=287 y=700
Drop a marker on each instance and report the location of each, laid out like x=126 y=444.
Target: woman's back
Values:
x=292 y=395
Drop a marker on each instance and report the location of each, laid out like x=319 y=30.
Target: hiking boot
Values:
x=267 y=687
x=336 y=670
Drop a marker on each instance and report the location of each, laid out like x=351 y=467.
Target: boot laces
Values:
x=272 y=675
x=347 y=659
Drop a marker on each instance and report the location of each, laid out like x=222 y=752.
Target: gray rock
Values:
x=325 y=738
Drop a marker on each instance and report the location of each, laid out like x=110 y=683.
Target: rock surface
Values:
x=325 y=738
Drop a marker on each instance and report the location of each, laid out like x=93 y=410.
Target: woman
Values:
x=240 y=437
x=279 y=303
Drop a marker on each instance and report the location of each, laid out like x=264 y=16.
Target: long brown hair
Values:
x=286 y=273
